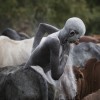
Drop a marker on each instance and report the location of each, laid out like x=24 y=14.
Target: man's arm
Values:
x=43 y=28
x=57 y=66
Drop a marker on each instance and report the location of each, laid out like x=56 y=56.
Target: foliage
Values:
x=25 y=15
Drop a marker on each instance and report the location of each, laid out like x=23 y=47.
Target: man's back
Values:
x=43 y=52
x=41 y=55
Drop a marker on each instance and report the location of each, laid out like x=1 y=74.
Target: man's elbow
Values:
x=56 y=76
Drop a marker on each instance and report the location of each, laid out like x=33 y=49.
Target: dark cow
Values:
x=12 y=34
x=20 y=83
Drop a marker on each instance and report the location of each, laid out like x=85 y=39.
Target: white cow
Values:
x=14 y=52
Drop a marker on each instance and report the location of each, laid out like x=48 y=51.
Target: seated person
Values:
x=52 y=53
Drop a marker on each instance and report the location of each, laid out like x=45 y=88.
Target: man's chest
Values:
x=64 y=50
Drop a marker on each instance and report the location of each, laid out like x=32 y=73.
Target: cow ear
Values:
x=78 y=73
x=81 y=75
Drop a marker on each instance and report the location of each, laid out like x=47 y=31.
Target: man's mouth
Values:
x=76 y=42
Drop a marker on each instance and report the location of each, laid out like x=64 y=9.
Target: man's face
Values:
x=74 y=36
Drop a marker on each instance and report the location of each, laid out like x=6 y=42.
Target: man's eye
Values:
x=72 y=33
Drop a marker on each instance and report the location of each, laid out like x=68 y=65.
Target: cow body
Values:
x=14 y=52
x=82 y=52
x=20 y=83
x=90 y=81
x=93 y=96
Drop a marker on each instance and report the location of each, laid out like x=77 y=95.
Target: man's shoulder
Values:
x=52 y=42
x=53 y=37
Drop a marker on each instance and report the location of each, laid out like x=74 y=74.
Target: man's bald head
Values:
x=77 y=24
x=74 y=28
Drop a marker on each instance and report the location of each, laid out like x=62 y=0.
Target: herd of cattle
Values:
x=81 y=74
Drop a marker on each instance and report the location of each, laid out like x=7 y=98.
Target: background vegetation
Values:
x=25 y=15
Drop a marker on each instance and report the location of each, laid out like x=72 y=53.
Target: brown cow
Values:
x=96 y=36
x=79 y=76
x=90 y=81
x=93 y=96
x=89 y=39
